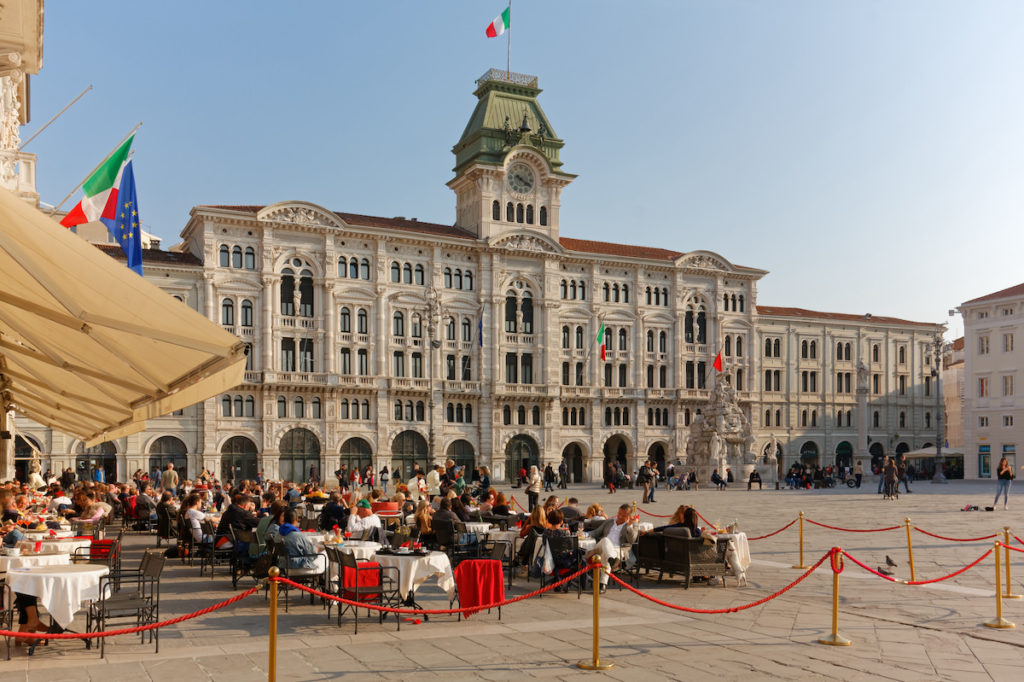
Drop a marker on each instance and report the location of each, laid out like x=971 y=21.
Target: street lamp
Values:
x=938 y=476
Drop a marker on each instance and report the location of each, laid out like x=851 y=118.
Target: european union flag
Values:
x=125 y=226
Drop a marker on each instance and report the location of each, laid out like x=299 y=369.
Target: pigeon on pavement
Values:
x=884 y=571
x=889 y=562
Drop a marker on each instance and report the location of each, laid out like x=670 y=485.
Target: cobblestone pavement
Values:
x=898 y=631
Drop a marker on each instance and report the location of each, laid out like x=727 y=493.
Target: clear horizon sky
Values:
x=869 y=154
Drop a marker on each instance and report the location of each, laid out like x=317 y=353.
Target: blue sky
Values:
x=869 y=153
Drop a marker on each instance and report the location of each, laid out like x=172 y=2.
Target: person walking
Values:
x=549 y=478
x=169 y=479
x=1004 y=476
x=901 y=473
x=891 y=478
x=646 y=479
x=384 y=478
x=858 y=472
x=563 y=475
x=534 y=485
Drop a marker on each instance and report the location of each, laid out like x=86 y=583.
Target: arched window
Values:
x=225 y=406
x=579 y=337
x=650 y=417
x=778 y=417
x=457 y=282
x=622 y=339
x=725 y=301
x=366 y=409
x=734 y=302
x=236 y=257
x=617 y=416
x=615 y=293
x=467 y=281
x=519 y=213
x=536 y=415
x=250 y=258
x=803 y=418
x=510 y=212
x=767 y=418
x=814 y=417
x=875 y=419
x=527 y=309
x=739 y=379
x=460 y=415
x=767 y=348
x=607 y=416
x=225 y=256
x=625 y=293
x=572 y=290
x=902 y=355
x=903 y=420
x=343 y=412
x=364 y=269
x=495 y=210
x=346 y=321
x=874 y=353
x=246 y=313
x=650 y=376
x=657 y=296
x=622 y=375
x=315 y=412
x=927 y=420
x=353 y=268
x=521 y=414
x=583 y=291
x=396 y=272
x=777 y=346
x=625 y=416
x=409 y=414
x=847 y=351
x=565 y=337
x=342 y=267
x=739 y=346
x=416 y=326
x=529 y=214
x=469 y=414
x=227 y=313
x=419 y=275
x=563 y=290
x=250 y=406
x=299 y=408
x=663 y=377
x=450 y=412
x=506 y=414
x=650 y=341
x=511 y=303
x=398 y=324
x=741 y=303
x=467 y=329
x=648 y=294
x=606 y=289
x=565 y=416
x=814 y=349
x=361 y=319
x=543 y=215
x=728 y=345
x=449 y=329
x=407 y=273
x=702 y=326
x=398 y=410
x=803 y=349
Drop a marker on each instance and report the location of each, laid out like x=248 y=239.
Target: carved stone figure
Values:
x=773 y=449
x=35 y=480
x=862 y=375
x=296 y=298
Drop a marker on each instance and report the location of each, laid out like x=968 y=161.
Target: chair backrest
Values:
x=207 y=527
x=347 y=559
x=155 y=566
x=499 y=550
x=677 y=532
x=398 y=539
x=307 y=523
x=246 y=536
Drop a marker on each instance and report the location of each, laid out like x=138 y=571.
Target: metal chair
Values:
x=380 y=588
x=131 y=594
x=280 y=557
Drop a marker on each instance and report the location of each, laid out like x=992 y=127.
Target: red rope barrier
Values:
x=940 y=537
x=762 y=537
x=852 y=530
x=514 y=501
x=836 y=553
x=658 y=516
x=1015 y=549
x=733 y=609
x=920 y=582
x=128 y=631
x=1018 y=539
x=465 y=609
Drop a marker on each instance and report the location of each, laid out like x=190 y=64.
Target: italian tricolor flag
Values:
x=498 y=26
x=603 y=343
x=100 y=190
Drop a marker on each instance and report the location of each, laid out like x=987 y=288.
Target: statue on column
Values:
x=862 y=375
x=773 y=449
x=296 y=298
x=35 y=479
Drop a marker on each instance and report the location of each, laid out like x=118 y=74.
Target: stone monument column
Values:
x=861 y=451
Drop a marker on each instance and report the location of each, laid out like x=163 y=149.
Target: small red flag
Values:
x=604 y=354
x=717 y=364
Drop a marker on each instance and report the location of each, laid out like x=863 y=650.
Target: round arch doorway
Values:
x=809 y=454
x=238 y=460
x=300 y=455
x=877 y=451
x=521 y=453
x=409 y=448
x=169 y=450
x=463 y=454
x=98 y=463
x=573 y=455
x=656 y=453
x=24 y=446
x=844 y=455
x=356 y=454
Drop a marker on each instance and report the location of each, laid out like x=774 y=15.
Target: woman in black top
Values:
x=1004 y=472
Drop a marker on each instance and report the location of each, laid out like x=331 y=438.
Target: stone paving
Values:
x=898 y=631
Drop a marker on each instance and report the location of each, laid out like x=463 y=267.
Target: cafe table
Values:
x=60 y=589
x=416 y=569
x=44 y=534
x=8 y=562
x=47 y=546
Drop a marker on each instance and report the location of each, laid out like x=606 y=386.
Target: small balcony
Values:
x=577 y=392
x=528 y=390
x=356 y=381
x=254 y=377
x=465 y=387
x=407 y=384
x=311 y=378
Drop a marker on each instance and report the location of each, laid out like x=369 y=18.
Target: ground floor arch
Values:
x=98 y=463
x=844 y=454
x=877 y=452
x=24 y=446
x=616 y=451
x=463 y=453
x=300 y=455
x=901 y=448
x=169 y=450
x=521 y=452
x=657 y=454
x=573 y=456
x=409 y=448
x=239 y=460
x=356 y=454
x=809 y=453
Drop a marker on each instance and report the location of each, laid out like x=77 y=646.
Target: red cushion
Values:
x=480 y=582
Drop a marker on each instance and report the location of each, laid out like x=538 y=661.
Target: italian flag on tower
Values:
x=500 y=23
x=603 y=342
x=100 y=190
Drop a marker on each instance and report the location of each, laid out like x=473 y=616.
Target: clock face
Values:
x=520 y=178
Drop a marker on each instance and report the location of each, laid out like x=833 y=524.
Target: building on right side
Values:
x=992 y=419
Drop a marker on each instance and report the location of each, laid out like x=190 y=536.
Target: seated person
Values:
x=11 y=512
x=239 y=515
x=501 y=507
x=569 y=510
x=716 y=478
x=335 y=513
x=361 y=518
x=301 y=552
x=194 y=517
x=459 y=509
x=690 y=518
x=676 y=521
x=424 y=512
x=595 y=511
x=612 y=536
x=754 y=478
x=270 y=524
x=445 y=513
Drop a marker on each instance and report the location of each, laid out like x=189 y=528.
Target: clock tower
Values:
x=508 y=174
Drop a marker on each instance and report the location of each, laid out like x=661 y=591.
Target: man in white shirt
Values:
x=434 y=482
x=363 y=519
x=613 y=536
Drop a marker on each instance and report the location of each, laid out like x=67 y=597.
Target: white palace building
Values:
x=389 y=341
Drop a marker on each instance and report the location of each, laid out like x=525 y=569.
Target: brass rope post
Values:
x=999 y=621
x=835 y=639
x=800 y=566
x=1006 y=545
x=274 y=572
x=595 y=663
x=910 y=549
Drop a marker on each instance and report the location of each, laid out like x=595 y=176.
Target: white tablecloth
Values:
x=478 y=527
x=645 y=526
x=414 y=570
x=61 y=589
x=55 y=546
x=44 y=534
x=27 y=560
x=362 y=551
x=738 y=544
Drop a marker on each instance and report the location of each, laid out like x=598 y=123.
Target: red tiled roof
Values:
x=1005 y=293
x=958 y=344
x=376 y=221
x=625 y=250
x=152 y=255
x=775 y=311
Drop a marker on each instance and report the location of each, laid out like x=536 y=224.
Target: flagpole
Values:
x=593 y=340
x=72 y=192
x=55 y=117
x=508 y=57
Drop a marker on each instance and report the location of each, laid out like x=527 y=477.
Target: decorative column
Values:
x=330 y=354
x=267 y=330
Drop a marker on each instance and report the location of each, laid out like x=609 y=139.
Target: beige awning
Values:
x=90 y=348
